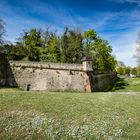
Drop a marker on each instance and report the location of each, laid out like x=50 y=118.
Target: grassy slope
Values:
x=127 y=84
x=36 y=115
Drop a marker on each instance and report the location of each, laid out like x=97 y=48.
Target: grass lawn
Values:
x=68 y=116
x=127 y=85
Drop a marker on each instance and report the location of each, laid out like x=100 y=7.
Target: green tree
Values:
x=72 y=46
x=52 y=50
x=33 y=41
x=120 y=70
x=134 y=71
x=127 y=70
x=100 y=51
x=64 y=46
x=37 y=45
x=103 y=57
x=138 y=70
x=17 y=53
x=89 y=37
x=75 y=46
x=46 y=36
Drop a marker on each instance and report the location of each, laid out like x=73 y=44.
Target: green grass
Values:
x=68 y=116
x=127 y=85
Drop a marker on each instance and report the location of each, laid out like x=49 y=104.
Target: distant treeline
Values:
x=70 y=47
x=128 y=70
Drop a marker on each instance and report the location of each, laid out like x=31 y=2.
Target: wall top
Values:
x=47 y=65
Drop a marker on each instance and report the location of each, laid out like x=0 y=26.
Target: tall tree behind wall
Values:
x=99 y=50
x=68 y=48
x=32 y=41
x=5 y=46
x=72 y=46
x=50 y=50
x=75 y=46
x=64 y=46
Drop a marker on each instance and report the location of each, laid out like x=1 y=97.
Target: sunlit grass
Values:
x=41 y=115
x=127 y=85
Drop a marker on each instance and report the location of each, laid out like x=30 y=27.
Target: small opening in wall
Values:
x=70 y=72
x=28 y=87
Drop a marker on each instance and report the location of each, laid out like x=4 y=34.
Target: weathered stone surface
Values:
x=53 y=76
x=48 y=76
x=43 y=65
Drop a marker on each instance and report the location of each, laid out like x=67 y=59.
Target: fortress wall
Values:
x=103 y=82
x=54 y=76
x=48 y=76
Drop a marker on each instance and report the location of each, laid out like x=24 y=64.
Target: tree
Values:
x=138 y=70
x=134 y=71
x=75 y=46
x=17 y=53
x=127 y=70
x=123 y=70
x=52 y=50
x=64 y=46
x=89 y=37
x=120 y=70
x=103 y=57
x=99 y=50
x=33 y=41
x=46 y=36
x=72 y=46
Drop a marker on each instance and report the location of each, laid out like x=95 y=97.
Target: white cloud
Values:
x=124 y=45
x=119 y=28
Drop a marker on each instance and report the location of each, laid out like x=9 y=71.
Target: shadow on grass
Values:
x=120 y=84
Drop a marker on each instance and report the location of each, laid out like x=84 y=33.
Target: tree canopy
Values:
x=99 y=50
x=70 y=47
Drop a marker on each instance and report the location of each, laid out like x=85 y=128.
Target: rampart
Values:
x=54 y=76
x=48 y=76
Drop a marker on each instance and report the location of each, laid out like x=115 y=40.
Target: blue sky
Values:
x=117 y=21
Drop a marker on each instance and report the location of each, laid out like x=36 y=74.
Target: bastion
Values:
x=54 y=76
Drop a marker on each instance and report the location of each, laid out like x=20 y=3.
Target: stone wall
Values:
x=54 y=76
x=48 y=76
x=103 y=81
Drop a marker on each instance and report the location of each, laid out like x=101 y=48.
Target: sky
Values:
x=117 y=21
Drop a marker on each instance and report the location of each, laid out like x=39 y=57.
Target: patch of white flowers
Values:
x=39 y=126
